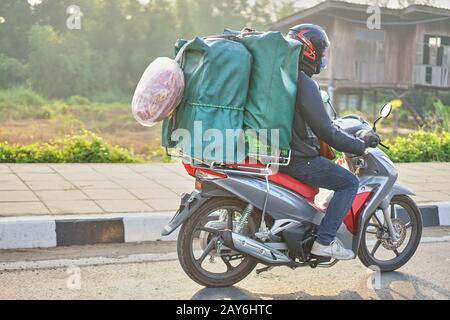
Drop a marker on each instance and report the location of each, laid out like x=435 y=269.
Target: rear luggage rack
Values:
x=265 y=170
x=242 y=169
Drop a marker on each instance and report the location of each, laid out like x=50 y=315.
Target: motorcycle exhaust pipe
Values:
x=255 y=249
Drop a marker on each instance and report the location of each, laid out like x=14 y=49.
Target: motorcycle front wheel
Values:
x=202 y=257
x=378 y=249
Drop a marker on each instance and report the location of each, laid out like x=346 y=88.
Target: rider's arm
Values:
x=314 y=113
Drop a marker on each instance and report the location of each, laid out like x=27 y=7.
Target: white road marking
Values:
x=135 y=258
x=92 y=261
x=435 y=239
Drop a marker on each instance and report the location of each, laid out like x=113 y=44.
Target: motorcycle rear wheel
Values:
x=367 y=256
x=187 y=237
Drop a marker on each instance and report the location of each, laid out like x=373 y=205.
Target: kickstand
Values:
x=265 y=269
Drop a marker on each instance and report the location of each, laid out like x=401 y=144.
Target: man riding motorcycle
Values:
x=311 y=123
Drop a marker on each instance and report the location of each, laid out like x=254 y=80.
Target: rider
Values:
x=311 y=123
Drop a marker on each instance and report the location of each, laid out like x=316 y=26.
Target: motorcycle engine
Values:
x=299 y=240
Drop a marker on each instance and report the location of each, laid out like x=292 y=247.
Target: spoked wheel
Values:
x=379 y=249
x=202 y=256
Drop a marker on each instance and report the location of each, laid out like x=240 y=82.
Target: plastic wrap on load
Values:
x=159 y=91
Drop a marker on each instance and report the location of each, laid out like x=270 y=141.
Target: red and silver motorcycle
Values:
x=241 y=215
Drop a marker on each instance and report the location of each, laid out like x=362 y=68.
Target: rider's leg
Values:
x=322 y=173
x=345 y=186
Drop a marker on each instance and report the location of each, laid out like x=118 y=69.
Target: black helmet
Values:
x=316 y=43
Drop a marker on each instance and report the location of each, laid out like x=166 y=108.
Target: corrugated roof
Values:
x=356 y=12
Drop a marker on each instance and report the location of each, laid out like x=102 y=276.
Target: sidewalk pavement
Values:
x=51 y=205
x=74 y=189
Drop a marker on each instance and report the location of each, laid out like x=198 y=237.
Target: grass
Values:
x=84 y=148
x=34 y=129
x=27 y=118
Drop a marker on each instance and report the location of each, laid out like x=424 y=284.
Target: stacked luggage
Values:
x=239 y=92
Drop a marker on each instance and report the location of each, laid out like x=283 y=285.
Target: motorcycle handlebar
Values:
x=358 y=134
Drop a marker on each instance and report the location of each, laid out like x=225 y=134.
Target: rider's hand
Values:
x=370 y=138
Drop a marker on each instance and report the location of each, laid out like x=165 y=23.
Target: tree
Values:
x=18 y=20
x=117 y=39
x=12 y=72
x=59 y=65
x=184 y=26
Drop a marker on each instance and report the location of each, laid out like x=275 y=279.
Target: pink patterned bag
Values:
x=159 y=92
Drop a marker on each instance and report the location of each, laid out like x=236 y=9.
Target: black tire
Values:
x=416 y=233
x=186 y=255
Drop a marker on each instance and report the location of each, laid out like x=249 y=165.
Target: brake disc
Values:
x=400 y=229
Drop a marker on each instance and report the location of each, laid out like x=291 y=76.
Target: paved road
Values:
x=65 y=189
x=426 y=276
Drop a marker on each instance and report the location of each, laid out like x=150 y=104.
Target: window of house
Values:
x=434 y=42
x=434 y=49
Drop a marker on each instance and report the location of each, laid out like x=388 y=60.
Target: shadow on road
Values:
x=399 y=285
x=392 y=286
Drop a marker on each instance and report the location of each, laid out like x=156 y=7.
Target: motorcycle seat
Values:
x=295 y=185
x=286 y=181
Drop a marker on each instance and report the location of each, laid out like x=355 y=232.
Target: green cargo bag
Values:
x=217 y=75
x=273 y=83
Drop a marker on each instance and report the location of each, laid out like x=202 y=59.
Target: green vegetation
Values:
x=20 y=103
x=61 y=90
x=84 y=148
x=420 y=146
x=443 y=115
x=27 y=118
x=117 y=39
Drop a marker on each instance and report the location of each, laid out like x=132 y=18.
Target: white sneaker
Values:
x=334 y=250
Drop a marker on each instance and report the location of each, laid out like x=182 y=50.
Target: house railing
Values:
x=432 y=76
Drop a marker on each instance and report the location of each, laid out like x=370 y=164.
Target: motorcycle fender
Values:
x=189 y=204
x=398 y=189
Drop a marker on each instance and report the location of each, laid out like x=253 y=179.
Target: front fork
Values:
x=387 y=218
x=384 y=206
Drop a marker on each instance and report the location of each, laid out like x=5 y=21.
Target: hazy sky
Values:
x=33 y=2
x=390 y=3
x=310 y=3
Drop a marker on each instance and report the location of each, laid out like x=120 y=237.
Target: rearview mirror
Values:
x=386 y=110
x=384 y=113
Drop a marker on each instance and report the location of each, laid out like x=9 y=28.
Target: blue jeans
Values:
x=323 y=173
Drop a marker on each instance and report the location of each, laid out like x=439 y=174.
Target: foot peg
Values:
x=328 y=265
x=320 y=259
x=322 y=262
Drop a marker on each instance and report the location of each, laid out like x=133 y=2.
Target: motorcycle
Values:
x=243 y=214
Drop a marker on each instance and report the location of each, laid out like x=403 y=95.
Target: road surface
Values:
x=149 y=271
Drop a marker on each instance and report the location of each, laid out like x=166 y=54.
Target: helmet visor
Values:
x=324 y=59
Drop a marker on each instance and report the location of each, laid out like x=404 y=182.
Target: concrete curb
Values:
x=54 y=231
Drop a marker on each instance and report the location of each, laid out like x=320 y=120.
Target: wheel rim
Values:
x=378 y=244
x=211 y=258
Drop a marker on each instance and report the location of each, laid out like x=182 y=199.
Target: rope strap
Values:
x=195 y=104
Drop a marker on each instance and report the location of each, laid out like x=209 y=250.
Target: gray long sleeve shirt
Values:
x=312 y=122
